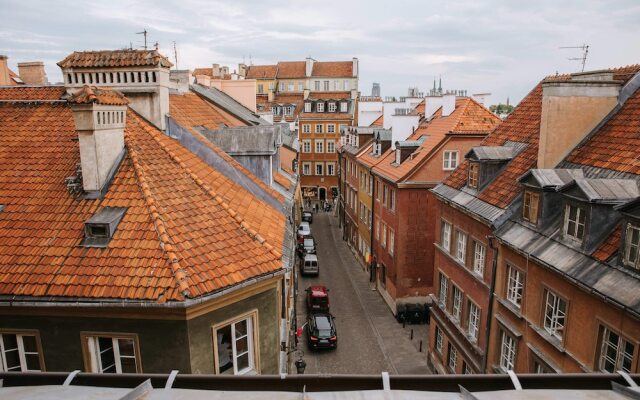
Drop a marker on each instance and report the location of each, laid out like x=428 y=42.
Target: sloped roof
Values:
x=291 y=69
x=469 y=117
x=609 y=191
x=332 y=69
x=35 y=93
x=229 y=104
x=115 y=58
x=379 y=121
x=493 y=153
x=209 y=72
x=553 y=178
x=262 y=71
x=283 y=99
x=338 y=95
x=188 y=230
x=190 y=110
x=93 y=95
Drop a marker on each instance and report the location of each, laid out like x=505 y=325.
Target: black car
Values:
x=307 y=216
x=321 y=331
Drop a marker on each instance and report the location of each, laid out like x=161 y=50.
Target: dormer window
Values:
x=332 y=107
x=474 y=169
x=100 y=228
x=307 y=107
x=343 y=107
x=574 y=218
x=320 y=107
x=632 y=246
x=530 y=207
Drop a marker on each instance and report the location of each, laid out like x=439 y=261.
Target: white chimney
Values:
x=100 y=118
x=204 y=80
x=448 y=104
x=355 y=67
x=308 y=66
x=432 y=103
x=480 y=97
x=180 y=79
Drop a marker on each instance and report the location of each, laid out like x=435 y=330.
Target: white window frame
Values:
x=515 y=285
x=22 y=353
x=443 y=292
x=331 y=146
x=449 y=160
x=326 y=86
x=346 y=85
x=392 y=199
x=461 y=247
x=332 y=107
x=316 y=85
x=282 y=86
x=445 y=236
x=251 y=350
x=479 y=256
x=456 y=303
x=306 y=128
x=555 y=314
x=631 y=247
x=307 y=107
x=319 y=146
x=319 y=169
x=344 y=107
x=306 y=146
x=290 y=87
x=574 y=233
x=473 y=321
x=392 y=240
x=452 y=358
x=306 y=166
x=300 y=86
x=319 y=128
x=331 y=169
x=94 y=351
x=331 y=128
x=439 y=339
x=508 y=349
x=320 y=107
x=617 y=346
x=383 y=242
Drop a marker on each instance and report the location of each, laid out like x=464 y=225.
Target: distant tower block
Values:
x=375 y=90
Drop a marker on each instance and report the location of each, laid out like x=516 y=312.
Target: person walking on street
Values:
x=372 y=272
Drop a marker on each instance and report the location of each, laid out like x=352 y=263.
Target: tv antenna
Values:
x=585 y=52
x=144 y=32
x=175 y=53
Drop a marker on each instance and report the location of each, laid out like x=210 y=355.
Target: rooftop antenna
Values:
x=156 y=44
x=175 y=53
x=585 y=52
x=144 y=32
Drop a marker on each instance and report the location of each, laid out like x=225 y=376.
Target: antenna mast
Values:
x=585 y=52
x=175 y=53
x=144 y=32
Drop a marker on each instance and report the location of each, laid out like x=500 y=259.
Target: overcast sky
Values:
x=503 y=47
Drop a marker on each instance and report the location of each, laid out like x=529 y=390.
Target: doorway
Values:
x=322 y=193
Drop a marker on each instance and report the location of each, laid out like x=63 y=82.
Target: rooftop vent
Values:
x=1 y=207
x=100 y=228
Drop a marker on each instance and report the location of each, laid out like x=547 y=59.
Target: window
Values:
x=331 y=128
x=632 y=246
x=235 y=352
x=319 y=128
x=473 y=175
x=307 y=107
x=319 y=168
x=377 y=190
x=332 y=107
x=616 y=353
x=507 y=352
x=540 y=367
x=473 y=322
x=288 y=110
x=453 y=358
x=272 y=85
x=392 y=199
x=300 y=86
x=377 y=229
x=438 y=340
x=478 y=258
x=445 y=239
x=444 y=289
x=331 y=169
x=466 y=369
x=554 y=314
x=515 y=281
x=331 y=146
x=112 y=354
x=306 y=146
x=320 y=107
x=344 y=106
x=290 y=87
x=574 y=222
x=449 y=160
x=346 y=85
x=319 y=146
x=306 y=128
x=391 y=241
x=384 y=195
x=316 y=85
x=260 y=88
x=20 y=352
x=530 y=206
x=282 y=86
x=326 y=86
x=383 y=242
x=461 y=247
x=306 y=168
x=456 y=307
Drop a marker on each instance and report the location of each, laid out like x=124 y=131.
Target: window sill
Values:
x=511 y=307
x=552 y=340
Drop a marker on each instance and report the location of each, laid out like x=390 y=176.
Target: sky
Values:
x=501 y=47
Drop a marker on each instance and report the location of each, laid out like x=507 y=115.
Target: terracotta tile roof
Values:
x=115 y=58
x=419 y=109
x=209 y=72
x=615 y=145
x=282 y=180
x=188 y=230
x=345 y=116
x=104 y=96
x=609 y=247
x=25 y=93
x=191 y=110
x=262 y=71
x=329 y=95
x=379 y=121
x=291 y=69
x=332 y=69
x=367 y=158
x=283 y=99
x=15 y=78
x=469 y=117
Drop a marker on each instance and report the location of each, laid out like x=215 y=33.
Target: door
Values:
x=322 y=193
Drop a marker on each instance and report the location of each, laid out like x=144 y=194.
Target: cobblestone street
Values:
x=369 y=338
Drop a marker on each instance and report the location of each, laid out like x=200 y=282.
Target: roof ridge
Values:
x=234 y=214
x=179 y=273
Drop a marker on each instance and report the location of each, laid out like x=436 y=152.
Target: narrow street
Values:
x=369 y=338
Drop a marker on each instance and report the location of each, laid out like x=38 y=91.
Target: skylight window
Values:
x=100 y=228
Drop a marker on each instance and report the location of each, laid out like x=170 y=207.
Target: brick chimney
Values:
x=100 y=118
x=448 y=104
x=32 y=73
x=571 y=108
x=5 y=77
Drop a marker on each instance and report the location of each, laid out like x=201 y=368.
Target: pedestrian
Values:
x=315 y=207
x=372 y=269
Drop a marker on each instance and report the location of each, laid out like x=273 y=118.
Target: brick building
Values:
x=402 y=202
x=508 y=262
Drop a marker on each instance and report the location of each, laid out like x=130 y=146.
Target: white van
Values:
x=309 y=265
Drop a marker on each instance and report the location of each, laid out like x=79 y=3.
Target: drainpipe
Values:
x=494 y=266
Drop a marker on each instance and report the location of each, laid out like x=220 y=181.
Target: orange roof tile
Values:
x=329 y=95
x=188 y=229
x=332 y=69
x=115 y=58
x=609 y=247
x=25 y=93
x=190 y=110
x=367 y=158
x=379 y=121
x=282 y=180
x=262 y=71
x=95 y=95
x=209 y=72
x=291 y=69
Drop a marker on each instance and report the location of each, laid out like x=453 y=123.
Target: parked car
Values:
x=307 y=216
x=308 y=246
x=317 y=299
x=321 y=331
x=309 y=265
x=304 y=229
